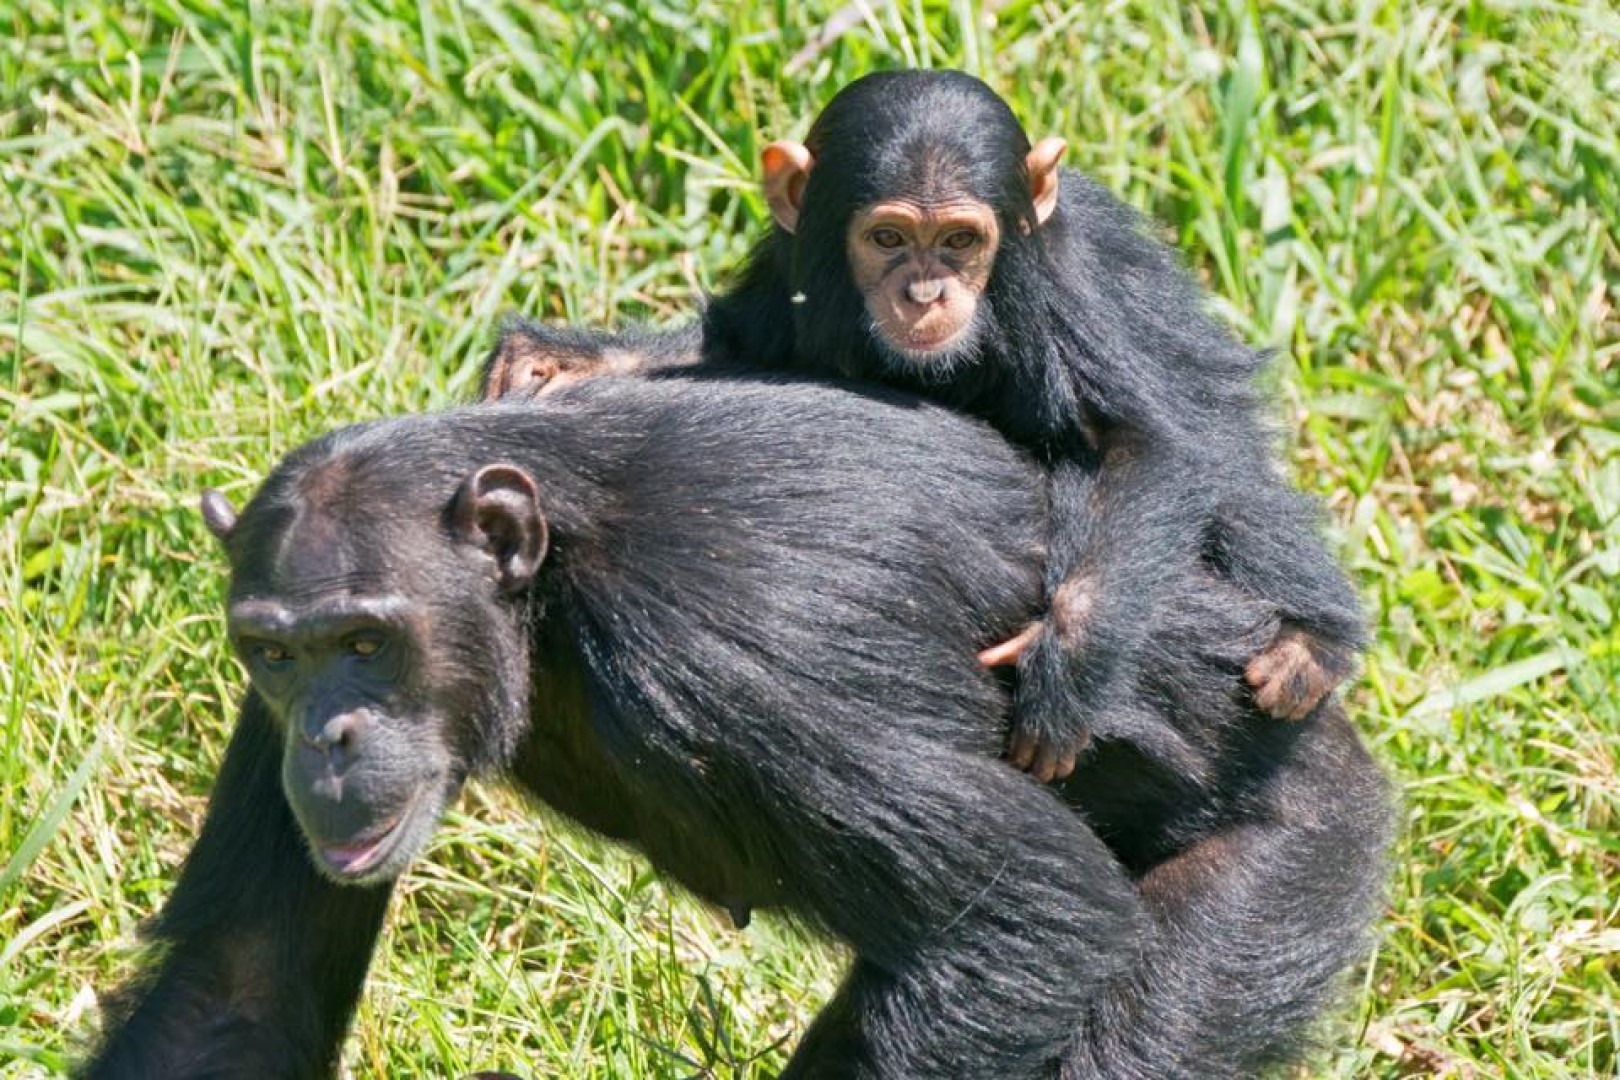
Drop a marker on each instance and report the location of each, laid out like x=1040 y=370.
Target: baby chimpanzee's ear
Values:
x=497 y=509
x=787 y=169
x=1042 y=164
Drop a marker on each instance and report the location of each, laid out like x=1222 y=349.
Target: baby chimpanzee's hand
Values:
x=1047 y=755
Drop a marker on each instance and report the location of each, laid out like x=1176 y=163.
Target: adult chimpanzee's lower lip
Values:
x=358 y=857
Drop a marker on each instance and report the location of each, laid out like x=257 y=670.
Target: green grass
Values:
x=226 y=227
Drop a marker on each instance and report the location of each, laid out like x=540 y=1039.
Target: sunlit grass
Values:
x=226 y=227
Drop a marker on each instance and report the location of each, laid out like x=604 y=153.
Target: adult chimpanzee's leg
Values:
x=261 y=958
x=985 y=916
x=1252 y=927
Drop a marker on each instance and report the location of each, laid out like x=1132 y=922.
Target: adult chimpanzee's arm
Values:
x=1120 y=533
x=261 y=958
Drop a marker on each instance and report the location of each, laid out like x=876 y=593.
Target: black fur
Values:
x=751 y=655
x=1093 y=351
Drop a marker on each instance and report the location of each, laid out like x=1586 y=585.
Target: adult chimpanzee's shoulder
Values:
x=811 y=422
x=857 y=453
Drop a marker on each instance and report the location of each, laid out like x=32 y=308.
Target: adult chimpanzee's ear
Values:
x=1042 y=164
x=218 y=514
x=498 y=509
x=787 y=167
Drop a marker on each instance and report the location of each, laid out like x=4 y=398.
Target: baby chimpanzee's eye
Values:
x=886 y=237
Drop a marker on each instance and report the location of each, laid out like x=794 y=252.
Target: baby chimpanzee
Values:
x=921 y=241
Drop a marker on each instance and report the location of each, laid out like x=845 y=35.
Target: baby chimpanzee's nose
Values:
x=925 y=290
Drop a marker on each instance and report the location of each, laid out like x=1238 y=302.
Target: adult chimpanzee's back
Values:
x=734 y=625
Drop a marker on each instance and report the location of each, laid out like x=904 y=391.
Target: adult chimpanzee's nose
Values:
x=924 y=290
x=336 y=737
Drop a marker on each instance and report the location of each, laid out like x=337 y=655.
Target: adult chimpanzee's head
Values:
x=379 y=612
x=908 y=187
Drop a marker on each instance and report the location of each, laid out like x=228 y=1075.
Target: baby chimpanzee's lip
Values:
x=930 y=342
x=355 y=858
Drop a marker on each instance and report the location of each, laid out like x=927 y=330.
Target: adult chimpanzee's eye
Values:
x=887 y=238
x=961 y=239
x=365 y=646
x=271 y=655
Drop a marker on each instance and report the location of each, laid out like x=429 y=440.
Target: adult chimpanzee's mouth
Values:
x=355 y=858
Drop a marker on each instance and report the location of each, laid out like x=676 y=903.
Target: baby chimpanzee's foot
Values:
x=527 y=376
x=1292 y=674
x=528 y=369
x=530 y=360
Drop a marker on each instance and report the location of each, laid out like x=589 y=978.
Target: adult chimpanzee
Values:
x=707 y=618
x=921 y=241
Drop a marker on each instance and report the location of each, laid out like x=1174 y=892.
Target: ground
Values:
x=225 y=227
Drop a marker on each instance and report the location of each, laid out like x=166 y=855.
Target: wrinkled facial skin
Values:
x=921 y=270
x=385 y=701
x=366 y=767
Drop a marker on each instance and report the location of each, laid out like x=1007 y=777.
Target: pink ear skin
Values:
x=787 y=167
x=1042 y=164
x=217 y=514
x=498 y=509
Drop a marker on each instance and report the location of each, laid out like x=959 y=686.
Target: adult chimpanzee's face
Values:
x=367 y=765
x=384 y=650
